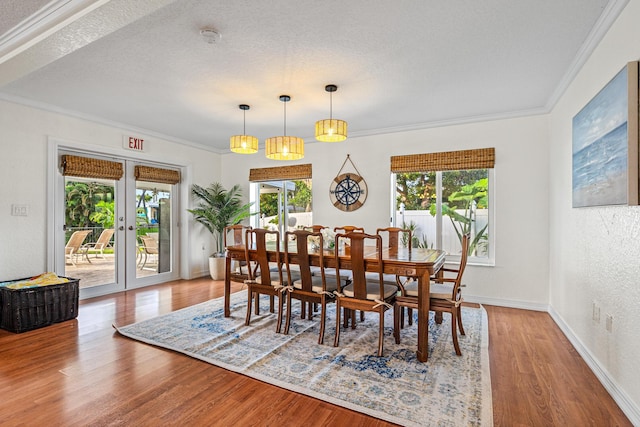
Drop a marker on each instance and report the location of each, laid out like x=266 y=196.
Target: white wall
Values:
x=519 y=277
x=595 y=252
x=24 y=135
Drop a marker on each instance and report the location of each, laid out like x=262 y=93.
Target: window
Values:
x=282 y=197
x=441 y=196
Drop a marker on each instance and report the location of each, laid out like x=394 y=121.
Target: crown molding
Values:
x=612 y=10
x=46 y=21
x=111 y=123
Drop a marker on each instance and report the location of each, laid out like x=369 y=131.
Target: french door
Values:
x=116 y=233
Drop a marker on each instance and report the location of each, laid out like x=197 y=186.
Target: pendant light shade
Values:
x=244 y=144
x=284 y=147
x=331 y=130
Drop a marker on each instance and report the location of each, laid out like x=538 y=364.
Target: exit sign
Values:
x=134 y=143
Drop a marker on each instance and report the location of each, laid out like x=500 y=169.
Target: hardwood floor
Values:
x=81 y=372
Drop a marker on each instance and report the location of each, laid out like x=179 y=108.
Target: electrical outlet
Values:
x=595 y=314
x=609 y=322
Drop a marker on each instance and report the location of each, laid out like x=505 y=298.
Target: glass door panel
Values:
x=283 y=205
x=153 y=228
x=90 y=249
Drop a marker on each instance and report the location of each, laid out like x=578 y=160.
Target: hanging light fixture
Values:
x=244 y=144
x=284 y=147
x=331 y=130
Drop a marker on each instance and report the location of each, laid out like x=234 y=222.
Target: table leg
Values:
x=227 y=286
x=423 y=316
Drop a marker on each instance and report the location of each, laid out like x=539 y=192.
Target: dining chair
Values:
x=445 y=296
x=266 y=278
x=73 y=247
x=234 y=235
x=395 y=238
x=103 y=240
x=310 y=289
x=362 y=294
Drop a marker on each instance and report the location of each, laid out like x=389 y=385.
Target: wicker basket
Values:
x=31 y=308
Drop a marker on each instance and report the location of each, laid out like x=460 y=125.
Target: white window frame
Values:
x=489 y=260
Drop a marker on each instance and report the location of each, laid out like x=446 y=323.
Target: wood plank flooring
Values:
x=81 y=372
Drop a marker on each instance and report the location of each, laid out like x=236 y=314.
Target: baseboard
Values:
x=627 y=406
x=524 y=305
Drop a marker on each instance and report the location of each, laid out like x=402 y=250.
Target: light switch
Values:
x=20 y=210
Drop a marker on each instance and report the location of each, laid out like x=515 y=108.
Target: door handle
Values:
x=131 y=227
x=121 y=228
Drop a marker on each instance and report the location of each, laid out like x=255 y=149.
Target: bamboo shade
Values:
x=483 y=158
x=150 y=174
x=90 y=168
x=278 y=173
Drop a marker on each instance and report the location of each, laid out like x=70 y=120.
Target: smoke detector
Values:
x=210 y=36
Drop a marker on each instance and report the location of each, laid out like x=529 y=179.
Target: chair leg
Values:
x=336 y=340
x=249 y=301
x=398 y=317
x=303 y=309
x=459 y=308
x=271 y=304
x=280 y=308
x=381 y=333
x=438 y=317
x=323 y=319
x=454 y=332
x=257 y=303
x=410 y=315
x=288 y=321
x=353 y=319
x=362 y=316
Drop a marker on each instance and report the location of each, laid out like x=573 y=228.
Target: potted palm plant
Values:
x=218 y=208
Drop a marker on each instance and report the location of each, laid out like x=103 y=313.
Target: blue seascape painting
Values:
x=600 y=147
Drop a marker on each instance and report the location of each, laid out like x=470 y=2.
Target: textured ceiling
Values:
x=399 y=65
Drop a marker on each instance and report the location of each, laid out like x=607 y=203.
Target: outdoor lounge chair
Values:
x=73 y=248
x=103 y=241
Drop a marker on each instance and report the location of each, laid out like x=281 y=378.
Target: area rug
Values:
x=448 y=390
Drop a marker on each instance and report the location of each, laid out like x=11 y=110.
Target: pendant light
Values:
x=244 y=144
x=331 y=130
x=284 y=147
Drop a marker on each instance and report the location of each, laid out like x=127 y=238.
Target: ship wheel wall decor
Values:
x=348 y=191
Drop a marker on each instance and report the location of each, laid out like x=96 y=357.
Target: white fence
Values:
x=426 y=229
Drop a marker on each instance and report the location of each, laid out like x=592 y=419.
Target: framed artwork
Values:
x=605 y=144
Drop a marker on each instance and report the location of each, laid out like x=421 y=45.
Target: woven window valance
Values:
x=280 y=173
x=483 y=158
x=90 y=168
x=150 y=174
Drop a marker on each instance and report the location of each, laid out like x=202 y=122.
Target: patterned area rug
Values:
x=448 y=390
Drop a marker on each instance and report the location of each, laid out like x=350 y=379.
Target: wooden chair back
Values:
x=258 y=238
x=357 y=241
x=302 y=240
x=395 y=237
x=348 y=229
x=455 y=280
x=315 y=228
x=234 y=235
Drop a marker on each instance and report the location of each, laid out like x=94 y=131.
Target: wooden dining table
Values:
x=416 y=262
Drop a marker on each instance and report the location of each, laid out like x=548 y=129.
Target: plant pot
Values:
x=216 y=267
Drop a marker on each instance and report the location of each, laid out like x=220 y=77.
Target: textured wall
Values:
x=595 y=252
